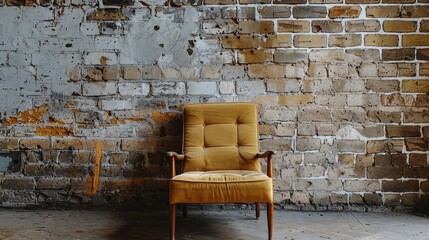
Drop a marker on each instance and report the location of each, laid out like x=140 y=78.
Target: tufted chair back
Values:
x=220 y=136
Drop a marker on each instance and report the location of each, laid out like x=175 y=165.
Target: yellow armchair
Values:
x=221 y=160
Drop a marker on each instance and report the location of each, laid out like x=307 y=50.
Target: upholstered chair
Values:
x=220 y=160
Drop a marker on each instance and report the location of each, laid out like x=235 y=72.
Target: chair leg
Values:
x=270 y=218
x=184 y=211
x=258 y=210
x=172 y=221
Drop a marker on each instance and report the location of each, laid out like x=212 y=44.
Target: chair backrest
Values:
x=220 y=136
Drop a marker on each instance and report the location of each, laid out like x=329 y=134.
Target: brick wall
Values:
x=342 y=88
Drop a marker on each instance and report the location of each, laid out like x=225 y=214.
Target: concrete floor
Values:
x=43 y=224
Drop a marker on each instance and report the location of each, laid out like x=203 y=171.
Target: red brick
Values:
x=372 y=199
x=403 y=131
x=262 y=27
x=17 y=184
x=418 y=144
x=390 y=159
x=416 y=172
x=418 y=160
x=384 y=172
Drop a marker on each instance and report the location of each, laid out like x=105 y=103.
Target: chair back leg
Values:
x=258 y=210
x=270 y=218
x=172 y=221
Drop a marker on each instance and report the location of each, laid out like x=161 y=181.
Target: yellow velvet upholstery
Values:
x=226 y=186
x=220 y=136
x=220 y=143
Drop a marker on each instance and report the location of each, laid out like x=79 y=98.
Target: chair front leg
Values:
x=258 y=210
x=172 y=221
x=270 y=219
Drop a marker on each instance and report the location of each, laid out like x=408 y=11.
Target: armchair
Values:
x=220 y=163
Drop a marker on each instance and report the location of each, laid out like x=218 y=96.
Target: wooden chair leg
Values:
x=184 y=211
x=172 y=221
x=270 y=218
x=258 y=210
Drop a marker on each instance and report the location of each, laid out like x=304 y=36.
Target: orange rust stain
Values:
x=103 y=60
x=54 y=120
x=53 y=131
x=163 y=116
x=34 y=115
x=118 y=121
x=68 y=104
x=93 y=182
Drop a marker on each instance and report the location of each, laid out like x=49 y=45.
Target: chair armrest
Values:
x=176 y=155
x=269 y=156
x=173 y=156
x=265 y=154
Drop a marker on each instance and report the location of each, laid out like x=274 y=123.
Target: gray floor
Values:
x=20 y=224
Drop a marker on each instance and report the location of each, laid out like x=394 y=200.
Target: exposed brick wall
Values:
x=342 y=88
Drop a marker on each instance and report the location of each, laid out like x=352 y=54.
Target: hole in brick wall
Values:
x=10 y=162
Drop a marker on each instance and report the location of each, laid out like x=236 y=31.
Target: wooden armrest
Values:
x=269 y=156
x=173 y=156
x=177 y=156
x=265 y=154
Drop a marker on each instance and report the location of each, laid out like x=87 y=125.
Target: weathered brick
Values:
x=316 y=70
x=415 y=11
x=416 y=117
x=390 y=159
x=387 y=146
x=364 y=160
x=274 y=11
x=425 y=186
x=348 y=40
x=17 y=184
x=418 y=144
x=283 y=85
x=262 y=27
x=422 y=54
x=418 y=160
x=333 y=56
x=410 y=199
x=111 y=73
x=219 y=2
x=424 y=26
x=276 y=144
x=400 y=186
x=356 y=198
x=381 y=40
x=276 y=41
x=8 y=144
x=266 y=71
x=383 y=11
x=365 y=55
x=293 y=26
x=361 y=186
x=384 y=172
x=255 y=56
x=36 y=143
x=416 y=172
x=310 y=41
x=403 y=131
x=415 y=86
x=99 y=89
x=362 y=1
x=382 y=85
x=373 y=199
x=231 y=41
x=309 y=12
x=415 y=40
x=295 y=100
x=398 y=54
x=290 y=56
x=326 y=26
x=396 y=99
x=316 y=115
x=307 y=144
x=363 y=26
x=350 y=146
x=344 y=12
x=424 y=69
x=392 y=199
x=399 y=26
x=426 y=132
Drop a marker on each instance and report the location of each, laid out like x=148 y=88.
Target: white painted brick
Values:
x=99 y=89
x=233 y=72
x=202 y=88
x=3 y=58
x=37 y=14
x=134 y=89
x=251 y=87
x=69 y=59
x=100 y=58
x=89 y=28
x=211 y=71
x=106 y=43
x=116 y=104
x=368 y=70
x=226 y=87
x=8 y=73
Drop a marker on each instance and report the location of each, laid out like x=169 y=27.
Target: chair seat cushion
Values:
x=226 y=186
